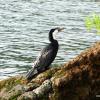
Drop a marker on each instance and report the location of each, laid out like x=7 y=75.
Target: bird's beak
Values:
x=60 y=29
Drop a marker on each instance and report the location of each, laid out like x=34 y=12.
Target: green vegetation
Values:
x=93 y=22
x=10 y=82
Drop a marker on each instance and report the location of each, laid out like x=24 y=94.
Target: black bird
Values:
x=46 y=56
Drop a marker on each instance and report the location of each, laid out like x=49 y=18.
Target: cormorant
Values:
x=46 y=56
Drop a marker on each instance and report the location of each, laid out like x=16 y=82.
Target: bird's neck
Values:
x=51 y=39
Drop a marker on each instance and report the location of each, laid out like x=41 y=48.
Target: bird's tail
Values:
x=31 y=74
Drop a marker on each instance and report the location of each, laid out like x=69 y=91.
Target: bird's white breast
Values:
x=54 y=34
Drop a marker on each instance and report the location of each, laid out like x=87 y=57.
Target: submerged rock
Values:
x=79 y=79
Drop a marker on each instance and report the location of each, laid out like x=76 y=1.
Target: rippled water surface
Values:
x=24 y=27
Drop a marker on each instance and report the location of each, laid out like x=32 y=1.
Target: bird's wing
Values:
x=44 y=59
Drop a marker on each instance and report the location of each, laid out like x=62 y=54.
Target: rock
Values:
x=28 y=96
x=40 y=92
x=44 y=89
x=13 y=93
x=79 y=79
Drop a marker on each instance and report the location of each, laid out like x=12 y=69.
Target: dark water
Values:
x=24 y=27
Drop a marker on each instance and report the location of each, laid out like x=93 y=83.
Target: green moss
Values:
x=49 y=73
x=10 y=82
x=14 y=97
x=59 y=74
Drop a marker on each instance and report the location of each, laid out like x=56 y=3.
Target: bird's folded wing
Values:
x=43 y=59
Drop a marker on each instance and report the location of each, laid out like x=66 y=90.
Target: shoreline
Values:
x=78 y=78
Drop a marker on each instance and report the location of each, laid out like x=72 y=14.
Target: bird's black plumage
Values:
x=45 y=58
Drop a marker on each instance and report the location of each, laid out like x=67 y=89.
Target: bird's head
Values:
x=53 y=32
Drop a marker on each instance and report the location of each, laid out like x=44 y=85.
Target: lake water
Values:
x=24 y=27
